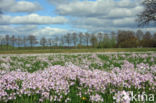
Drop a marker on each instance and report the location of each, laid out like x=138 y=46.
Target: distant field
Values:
x=34 y=50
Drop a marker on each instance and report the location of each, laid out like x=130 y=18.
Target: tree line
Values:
x=121 y=39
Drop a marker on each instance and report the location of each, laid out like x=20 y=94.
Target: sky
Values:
x=58 y=17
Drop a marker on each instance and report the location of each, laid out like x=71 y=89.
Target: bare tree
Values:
x=81 y=38
x=49 y=41
x=7 y=38
x=106 y=41
x=68 y=38
x=147 y=40
x=113 y=39
x=19 y=41
x=93 y=40
x=100 y=38
x=56 y=41
x=126 y=39
x=53 y=42
x=154 y=39
x=32 y=40
x=74 y=38
x=139 y=34
x=13 y=40
x=62 y=41
x=24 y=41
x=43 y=41
x=1 y=41
x=147 y=36
x=154 y=36
x=87 y=38
x=149 y=13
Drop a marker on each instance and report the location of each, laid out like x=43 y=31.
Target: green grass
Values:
x=34 y=50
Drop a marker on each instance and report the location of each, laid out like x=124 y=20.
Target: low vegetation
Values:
x=78 y=78
x=72 y=50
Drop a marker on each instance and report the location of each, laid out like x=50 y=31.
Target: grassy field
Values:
x=34 y=50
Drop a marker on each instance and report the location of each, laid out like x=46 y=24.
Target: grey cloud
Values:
x=124 y=21
x=6 y=29
x=24 y=6
x=31 y=29
x=17 y=30
x=85 y=8
x=102 y=15
x=49 y=31
x=4 y=4
x=93 y=21
x=32 y=19
x=98 y=8
x=108 y=29
x=19 y=6
x=128 y=3
x=94 y=24
x=57 y=2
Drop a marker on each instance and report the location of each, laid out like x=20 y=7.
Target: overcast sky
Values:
x=56 y=17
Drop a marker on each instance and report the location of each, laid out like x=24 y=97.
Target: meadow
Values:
x=34 y=50
x=78 y=77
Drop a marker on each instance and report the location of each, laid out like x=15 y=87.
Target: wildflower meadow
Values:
x=78 y=78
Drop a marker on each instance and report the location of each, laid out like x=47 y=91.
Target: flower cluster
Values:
x=54 y=83
x=122 y=97
x=45 y=78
